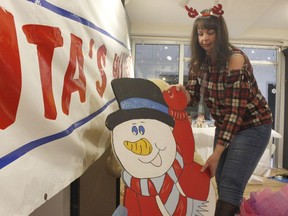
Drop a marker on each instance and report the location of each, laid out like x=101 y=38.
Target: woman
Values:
x=223 y=75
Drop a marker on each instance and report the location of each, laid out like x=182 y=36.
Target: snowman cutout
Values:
x=157 y=179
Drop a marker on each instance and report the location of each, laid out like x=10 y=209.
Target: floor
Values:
x=268 y=183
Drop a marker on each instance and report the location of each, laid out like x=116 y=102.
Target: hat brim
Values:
x=121 y=116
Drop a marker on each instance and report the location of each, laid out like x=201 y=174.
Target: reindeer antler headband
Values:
x=215 y=11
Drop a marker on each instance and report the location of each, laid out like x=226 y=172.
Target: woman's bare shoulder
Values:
x=236 y=61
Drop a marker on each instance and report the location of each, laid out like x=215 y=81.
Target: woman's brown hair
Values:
x=222 y=44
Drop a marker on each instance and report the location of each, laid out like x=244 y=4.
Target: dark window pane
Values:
x=154 y=61
x=261 y=54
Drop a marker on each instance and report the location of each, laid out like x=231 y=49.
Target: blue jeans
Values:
x=238 y=162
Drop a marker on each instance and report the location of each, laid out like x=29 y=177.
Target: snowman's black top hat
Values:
x=138 y=99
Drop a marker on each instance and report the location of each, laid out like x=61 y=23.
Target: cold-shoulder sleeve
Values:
x=237 y=94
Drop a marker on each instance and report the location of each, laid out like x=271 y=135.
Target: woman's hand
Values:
x=212 y=161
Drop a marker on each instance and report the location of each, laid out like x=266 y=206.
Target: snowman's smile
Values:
x=156 y=161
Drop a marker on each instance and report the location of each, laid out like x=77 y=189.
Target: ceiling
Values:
x=261 y=20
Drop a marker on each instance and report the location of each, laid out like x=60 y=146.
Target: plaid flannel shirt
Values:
x=233 y=97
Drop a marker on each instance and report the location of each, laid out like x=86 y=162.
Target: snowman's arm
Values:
x=161 y=206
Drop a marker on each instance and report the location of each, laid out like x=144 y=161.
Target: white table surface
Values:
x=204 y=139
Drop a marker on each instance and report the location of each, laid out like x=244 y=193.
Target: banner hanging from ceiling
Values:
x=57 y=60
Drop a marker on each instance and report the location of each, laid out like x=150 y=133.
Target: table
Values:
x=204 y=139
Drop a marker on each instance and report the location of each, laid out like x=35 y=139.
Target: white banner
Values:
x=57 y=59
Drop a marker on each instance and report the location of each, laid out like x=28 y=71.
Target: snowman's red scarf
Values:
x=178 y=115
x=163 y=186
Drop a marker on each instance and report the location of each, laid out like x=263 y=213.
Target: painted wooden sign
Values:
x=153 y=141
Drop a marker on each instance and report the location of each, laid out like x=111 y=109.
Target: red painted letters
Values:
x=47 y=39
x=10 y=70
x=101 y=60
x=70 y=84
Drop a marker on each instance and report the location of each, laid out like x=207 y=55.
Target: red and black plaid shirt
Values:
x=233 y=97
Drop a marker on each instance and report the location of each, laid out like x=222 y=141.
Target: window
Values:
x=157 y=61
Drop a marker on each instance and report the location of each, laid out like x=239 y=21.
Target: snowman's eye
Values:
x=134 y=130
x=141 y=130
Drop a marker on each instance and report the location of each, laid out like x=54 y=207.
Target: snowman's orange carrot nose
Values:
x=140 y=147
